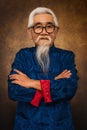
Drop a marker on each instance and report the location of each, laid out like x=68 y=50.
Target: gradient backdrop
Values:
x=72 y=36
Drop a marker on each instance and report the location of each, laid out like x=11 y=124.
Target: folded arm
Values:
x=17 y=91
x=63 y=86
x=40 y=85
x=23 y=80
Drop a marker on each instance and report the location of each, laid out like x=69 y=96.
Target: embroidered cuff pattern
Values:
x=45 y=85
x=37 y=98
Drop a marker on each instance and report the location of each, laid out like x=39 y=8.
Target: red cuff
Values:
x=37 y=98
x=45 y=85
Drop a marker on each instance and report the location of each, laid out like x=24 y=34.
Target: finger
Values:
x=68 y=72
x=19 y=72
x=13 y=75
x=56 y=78
x=14 y=81
x=65 y=71
x=59 y=76
x=67 y=75
x=63 y=75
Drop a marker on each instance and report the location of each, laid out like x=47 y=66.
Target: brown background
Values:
x=72 y=36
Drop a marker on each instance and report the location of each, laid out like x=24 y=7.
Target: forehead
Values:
x=43 y=18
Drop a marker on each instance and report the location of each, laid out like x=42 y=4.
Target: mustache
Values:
x=43 y=38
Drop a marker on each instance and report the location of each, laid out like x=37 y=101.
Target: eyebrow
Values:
x=41 y=23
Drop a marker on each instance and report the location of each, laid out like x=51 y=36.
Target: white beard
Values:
x=42 y=53
x=43 y=40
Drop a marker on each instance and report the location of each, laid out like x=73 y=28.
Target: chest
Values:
x=33 y=69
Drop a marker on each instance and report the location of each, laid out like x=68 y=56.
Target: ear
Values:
x=29 y=33
x=57 y=30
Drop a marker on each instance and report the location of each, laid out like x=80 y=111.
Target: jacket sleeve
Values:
x=63 y=89
x=17 y=92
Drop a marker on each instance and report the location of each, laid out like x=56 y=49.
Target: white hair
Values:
x=41 y=10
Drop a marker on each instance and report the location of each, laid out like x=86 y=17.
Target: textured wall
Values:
x=72 y=36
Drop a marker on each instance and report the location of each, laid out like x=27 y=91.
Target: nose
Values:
x=44 y=31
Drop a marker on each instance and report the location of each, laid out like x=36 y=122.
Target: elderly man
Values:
x=43 y=78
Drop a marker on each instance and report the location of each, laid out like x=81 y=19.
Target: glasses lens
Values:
x=37 y=28
x=50 y=28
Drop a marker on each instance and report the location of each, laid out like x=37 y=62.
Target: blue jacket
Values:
x=55 y=115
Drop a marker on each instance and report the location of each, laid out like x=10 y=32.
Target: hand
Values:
x=20 y=79
x=65 y=74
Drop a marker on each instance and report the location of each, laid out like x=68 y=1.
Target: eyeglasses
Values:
x=38 y=28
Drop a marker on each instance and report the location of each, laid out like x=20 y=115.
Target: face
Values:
x=43 y=31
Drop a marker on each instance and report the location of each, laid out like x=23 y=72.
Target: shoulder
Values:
x=64 y=53
x=25 y=51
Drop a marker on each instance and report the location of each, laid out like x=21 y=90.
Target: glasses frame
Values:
x=44 y=27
